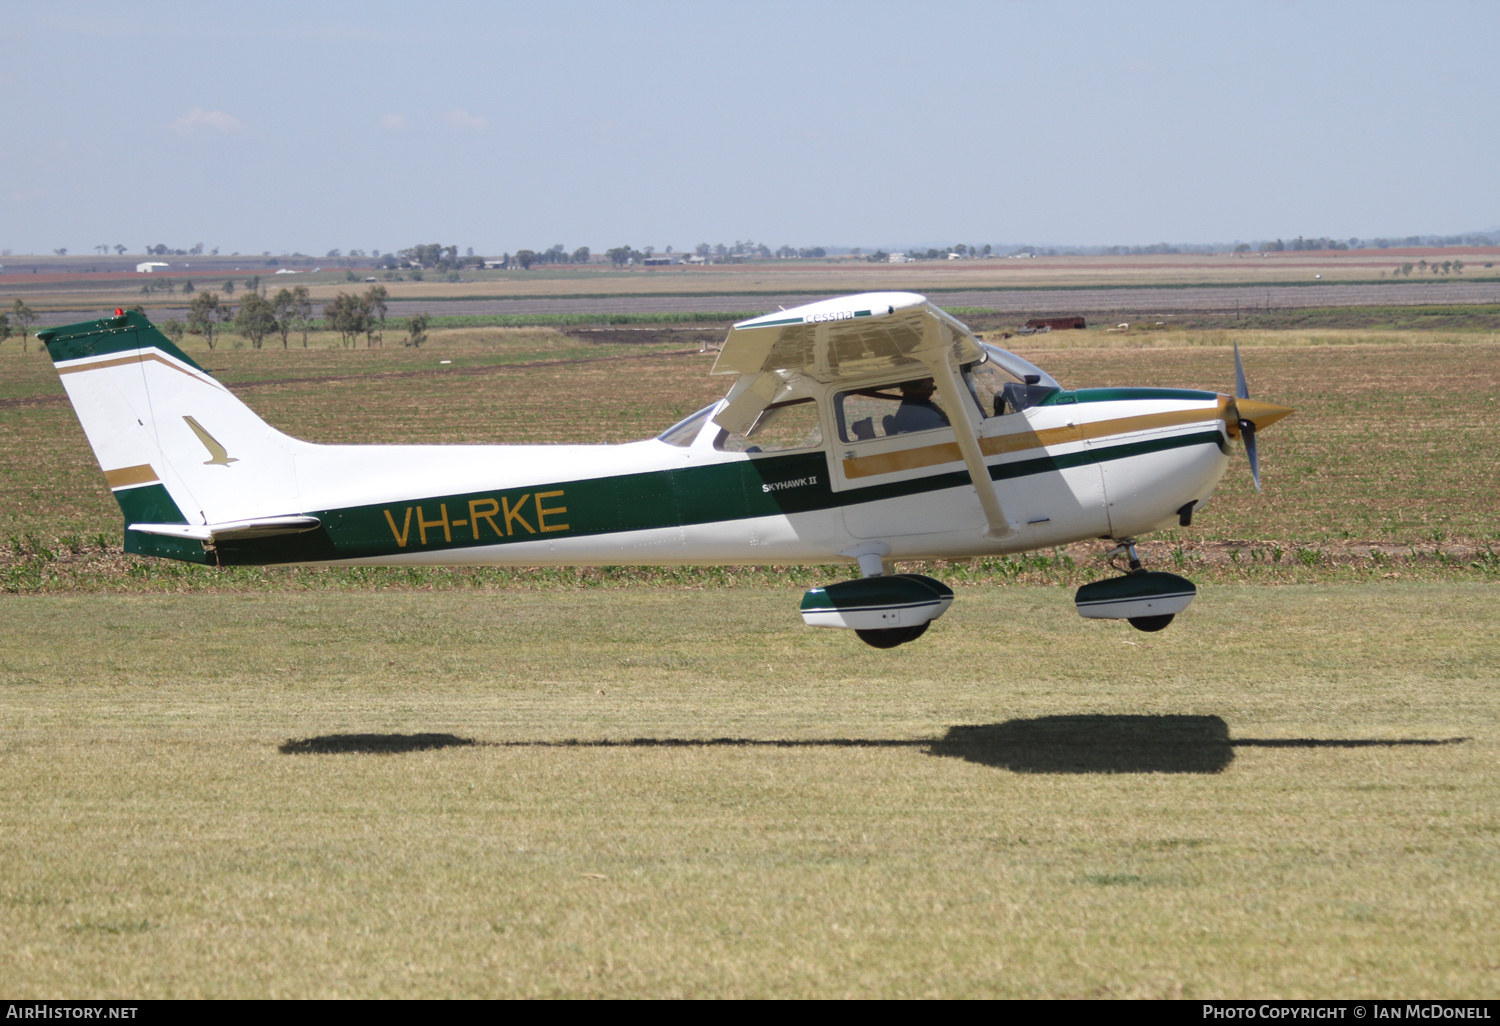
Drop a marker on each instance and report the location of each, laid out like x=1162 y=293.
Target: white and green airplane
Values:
x=866 y=430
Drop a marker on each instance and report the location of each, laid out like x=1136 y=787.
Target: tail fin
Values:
x=175 y=445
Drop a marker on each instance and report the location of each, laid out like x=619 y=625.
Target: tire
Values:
x=1151 y=624
x=890 y=637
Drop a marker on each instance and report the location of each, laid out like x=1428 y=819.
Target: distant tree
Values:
x=349 y=316
x=374 y=299
x=333 y=254
x=702 y=250
x=203 y=315
x=986 y=251
x=229 y=288
x=1458 y=267
x=618 y=256
x=416 y=329
x=4 y=326
x=119 y=250
x=253 y=283
x=61 y=252
x=1406 y=269
x=196 y=250
x=469 y=251
x=173 y=329
x=1447 y=266
x=24 y=317
x=525 y=258
x=188 y=287
x=255 y=319
x=1243 y=247
x=302 y=311
x=581 y=255
x=281 y=308
x=350 y=276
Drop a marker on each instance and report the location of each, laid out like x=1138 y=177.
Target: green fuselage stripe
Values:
x=628 y=502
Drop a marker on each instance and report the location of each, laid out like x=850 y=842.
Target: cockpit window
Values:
x=886 y=410
x=790 y=425
x=684 y=431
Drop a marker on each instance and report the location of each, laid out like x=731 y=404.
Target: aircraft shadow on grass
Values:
x=1045 y=744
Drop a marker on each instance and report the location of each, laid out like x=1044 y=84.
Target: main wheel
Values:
x=1151 y=624
x=890 y=637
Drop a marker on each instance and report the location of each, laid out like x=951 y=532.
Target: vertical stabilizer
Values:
x=175 y=445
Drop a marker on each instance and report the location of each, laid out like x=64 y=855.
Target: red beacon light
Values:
x=119 y=312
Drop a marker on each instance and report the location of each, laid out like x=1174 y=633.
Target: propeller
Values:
x=1244 y=416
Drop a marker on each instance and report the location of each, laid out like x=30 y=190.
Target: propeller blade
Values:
x=1241 y=389
x=1247 y=435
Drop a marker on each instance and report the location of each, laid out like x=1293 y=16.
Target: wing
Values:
x=846 y=337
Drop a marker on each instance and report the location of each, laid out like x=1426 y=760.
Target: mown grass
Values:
x=663 y=792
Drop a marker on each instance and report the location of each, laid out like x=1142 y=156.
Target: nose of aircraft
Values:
x=1261 y=415
x=1243 y=416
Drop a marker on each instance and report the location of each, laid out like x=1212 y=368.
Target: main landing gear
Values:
x=884 y=611
x=1147 y=599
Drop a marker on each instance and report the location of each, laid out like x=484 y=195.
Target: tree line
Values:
x=290 y=310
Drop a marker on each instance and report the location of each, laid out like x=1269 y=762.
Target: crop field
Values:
x=1392 y=445
x=652 y=782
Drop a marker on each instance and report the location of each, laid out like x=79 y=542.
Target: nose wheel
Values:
x=1148 y=624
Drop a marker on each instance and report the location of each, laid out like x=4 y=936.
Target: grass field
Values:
x=608 y=782
x=667 y=792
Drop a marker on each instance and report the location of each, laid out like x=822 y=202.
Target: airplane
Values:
x=862 y=430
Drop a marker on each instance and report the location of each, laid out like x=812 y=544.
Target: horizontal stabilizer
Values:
x=234 y=530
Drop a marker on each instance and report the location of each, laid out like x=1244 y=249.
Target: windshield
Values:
x=684 y=431
x=1003 y=383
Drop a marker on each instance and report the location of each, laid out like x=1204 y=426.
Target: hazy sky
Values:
x=308 y=126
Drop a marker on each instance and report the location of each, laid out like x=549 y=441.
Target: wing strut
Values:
x=937 y=354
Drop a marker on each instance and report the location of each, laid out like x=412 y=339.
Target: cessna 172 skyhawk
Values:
x=866 y=429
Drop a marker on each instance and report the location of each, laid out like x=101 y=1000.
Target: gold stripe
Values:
x=124 y=360
x=947 y=452
x=142 y=474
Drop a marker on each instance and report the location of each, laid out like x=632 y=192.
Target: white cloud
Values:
x=394 y=122
x=463 y=119
x=200 y=120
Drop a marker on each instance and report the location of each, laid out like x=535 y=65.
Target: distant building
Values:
x=898 y=258
x=1056 y=323
x=659 y=261
x=149 y=266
